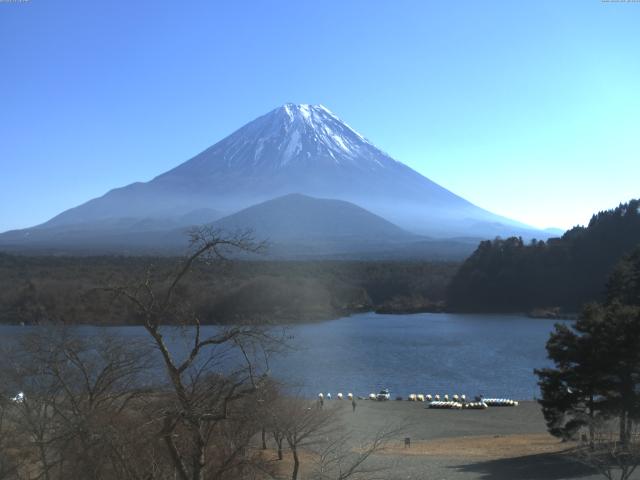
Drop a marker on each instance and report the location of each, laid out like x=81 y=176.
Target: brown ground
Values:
x=487 y=447
x=508 y=443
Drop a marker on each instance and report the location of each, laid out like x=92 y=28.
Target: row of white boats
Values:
x=479 y=405
x=435 y=401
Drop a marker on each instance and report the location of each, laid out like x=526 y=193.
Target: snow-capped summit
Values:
x=303 y=149
x=292 y=134
x=329 y=134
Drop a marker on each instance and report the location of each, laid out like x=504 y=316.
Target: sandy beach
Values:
x=500 y=443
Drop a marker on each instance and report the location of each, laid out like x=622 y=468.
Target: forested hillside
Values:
x=71 y=290
x=509 y=275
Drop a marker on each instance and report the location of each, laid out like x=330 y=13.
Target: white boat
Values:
x=444 y=405
x=475 y=405
x=500 y=402
x=384 y=394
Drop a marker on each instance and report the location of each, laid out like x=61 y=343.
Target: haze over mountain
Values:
x=292 y=226
x=303 y=149
x=300 y=226
x=297 y=217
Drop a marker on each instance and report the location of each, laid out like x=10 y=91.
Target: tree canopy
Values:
x=567 y=272
x=597 y=362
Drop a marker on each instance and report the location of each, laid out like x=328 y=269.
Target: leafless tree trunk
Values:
x=318 y=431
x=263 y=436
x=76 y=396
x=337 y=459
x=296 y=461
x=200 y=401
x=612 y=458
x=278 y=436
x=9 y=465
x=298 y=422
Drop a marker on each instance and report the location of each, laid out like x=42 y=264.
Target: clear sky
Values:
x=530 y=109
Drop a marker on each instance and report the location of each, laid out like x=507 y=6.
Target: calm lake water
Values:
x=422 y=353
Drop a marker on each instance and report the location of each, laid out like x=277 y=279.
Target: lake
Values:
x=421 y=353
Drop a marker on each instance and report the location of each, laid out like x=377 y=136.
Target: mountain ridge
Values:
x=302 y=149
x=293 y=226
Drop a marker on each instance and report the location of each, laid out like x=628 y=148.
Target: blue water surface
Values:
x=493 y=355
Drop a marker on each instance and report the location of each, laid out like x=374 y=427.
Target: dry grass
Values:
x=486 y=447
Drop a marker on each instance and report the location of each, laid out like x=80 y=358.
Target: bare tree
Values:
x=77 y=398
x=301 y=424
x=340 y=457
x=9 y=464
x=32 y=419
x=607 y=454
x=89 y=412
x=267 y=402
x=335 y=454
x=203 y=387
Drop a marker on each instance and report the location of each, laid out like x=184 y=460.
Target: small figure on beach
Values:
x=353 y=404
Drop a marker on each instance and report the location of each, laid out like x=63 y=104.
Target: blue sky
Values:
x=530 y=109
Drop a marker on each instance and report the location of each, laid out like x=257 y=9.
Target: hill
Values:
x=71 y=290
x=565 y=272
x=293 y=226
x=297 y=217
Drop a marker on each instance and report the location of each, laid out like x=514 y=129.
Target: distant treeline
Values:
x=74 y=290
x=565 y=273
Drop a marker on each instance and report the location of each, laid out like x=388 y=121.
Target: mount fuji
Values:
x=294 y=149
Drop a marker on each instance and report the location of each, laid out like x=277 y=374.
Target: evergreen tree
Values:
x=624 y=284
x=597 y=362
x=570 y=391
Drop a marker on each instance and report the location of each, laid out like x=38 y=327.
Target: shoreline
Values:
x=307 y=321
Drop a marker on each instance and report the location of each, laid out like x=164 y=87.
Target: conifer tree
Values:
x=597 y=362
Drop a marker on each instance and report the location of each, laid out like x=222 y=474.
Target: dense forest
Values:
x=73 y=290
x=558 y=275
x=502 y=275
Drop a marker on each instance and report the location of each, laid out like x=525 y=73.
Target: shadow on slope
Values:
x=545 y=466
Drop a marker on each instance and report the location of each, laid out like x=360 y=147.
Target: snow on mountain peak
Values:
x=292 y=137
x=299 y=134
x=324 y=127
x=295 y=148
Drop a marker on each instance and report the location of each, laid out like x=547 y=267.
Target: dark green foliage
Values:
x=624 y=283
x=572 y=391
x=566 y=272
x=597 y=362
x=71 y=289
